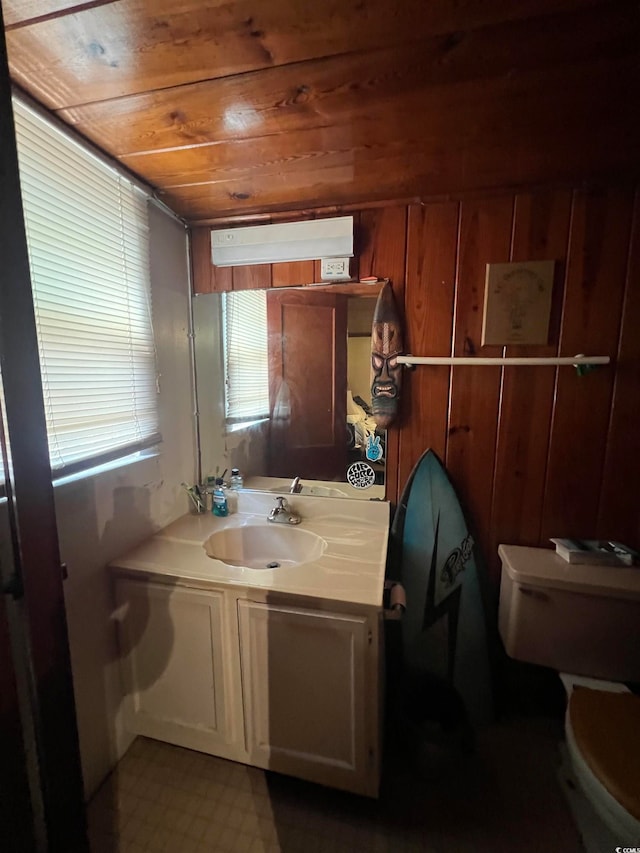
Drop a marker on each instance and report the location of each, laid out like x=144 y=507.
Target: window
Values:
x=244 y=321
x=87 y=236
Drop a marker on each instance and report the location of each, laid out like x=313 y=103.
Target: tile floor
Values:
x=504 y=797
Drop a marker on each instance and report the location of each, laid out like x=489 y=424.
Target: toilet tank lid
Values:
x=542 y=567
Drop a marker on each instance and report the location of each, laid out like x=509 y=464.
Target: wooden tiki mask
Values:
x=386 y=346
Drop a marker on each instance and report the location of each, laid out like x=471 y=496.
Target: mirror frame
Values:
x=224 y=444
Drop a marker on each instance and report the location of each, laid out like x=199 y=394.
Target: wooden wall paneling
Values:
x=251 y=277
x=292 y=274
x=382 y=252
x=200 y=261
x=221 y=279
x=596 y=272
x=485 y=237
x=206 y=277
x=358 y=239
x=619 y=508
x=541 y=232
x=382 y=242
x=432 y=239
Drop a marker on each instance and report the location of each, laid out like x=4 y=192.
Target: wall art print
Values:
x=517 y=303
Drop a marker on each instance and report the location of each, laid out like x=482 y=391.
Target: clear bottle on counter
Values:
x=232 y=499
x=235 y=481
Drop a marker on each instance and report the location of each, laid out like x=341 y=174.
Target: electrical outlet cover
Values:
x=334 y=269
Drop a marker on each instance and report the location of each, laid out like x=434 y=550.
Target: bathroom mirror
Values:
x=298 y=404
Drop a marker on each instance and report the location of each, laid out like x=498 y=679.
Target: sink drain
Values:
x=273 y=565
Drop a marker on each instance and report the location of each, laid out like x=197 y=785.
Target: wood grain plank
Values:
x=251 y=277
x=382 y=241
x=221 y=279
x=596 y=271
x=485 y=237
x=292 y=274
x=206 y=277
x=140 y=45
x=381 y=245
x=336 y=90
x=22 y=12
x=541 y=231
x=300 y=152
x=429 y=301
x=498 y=138
x=619 y=507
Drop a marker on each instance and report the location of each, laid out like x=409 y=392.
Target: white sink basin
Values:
x=318 y=491
x=258 y=546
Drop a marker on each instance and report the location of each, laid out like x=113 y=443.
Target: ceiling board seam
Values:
x=373 y=50
x=230 y=216
x=249 y=72
x=623 y=58
x=62 y=13
x=248 y=140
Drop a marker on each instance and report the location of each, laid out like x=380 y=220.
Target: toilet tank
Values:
x=575 y=618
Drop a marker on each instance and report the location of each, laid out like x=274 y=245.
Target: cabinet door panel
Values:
x=304 y=686
x=171 y=641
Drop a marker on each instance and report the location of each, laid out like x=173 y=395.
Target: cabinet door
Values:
x=304 y=678
x=171 y=646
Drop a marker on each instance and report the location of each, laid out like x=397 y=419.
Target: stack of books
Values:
x=598 y=552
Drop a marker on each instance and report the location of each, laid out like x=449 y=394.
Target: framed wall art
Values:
x=517 y=303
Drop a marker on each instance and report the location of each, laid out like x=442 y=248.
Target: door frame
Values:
x=36 y=561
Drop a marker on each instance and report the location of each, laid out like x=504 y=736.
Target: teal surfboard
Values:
x=444 y=634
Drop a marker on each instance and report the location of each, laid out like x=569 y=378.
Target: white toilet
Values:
x=584 y=620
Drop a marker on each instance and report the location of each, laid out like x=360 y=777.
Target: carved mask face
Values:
x=385 y=348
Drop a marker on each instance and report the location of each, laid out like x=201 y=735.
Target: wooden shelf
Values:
x=351 y=288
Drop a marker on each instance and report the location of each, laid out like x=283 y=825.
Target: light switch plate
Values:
x=334 y=269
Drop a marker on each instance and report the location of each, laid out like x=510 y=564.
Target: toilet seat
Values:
x=601 y=730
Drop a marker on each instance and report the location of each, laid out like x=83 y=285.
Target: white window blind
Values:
x=87 y=235
x=245 y=355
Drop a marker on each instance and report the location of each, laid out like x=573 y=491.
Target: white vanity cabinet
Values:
x=278 y=666
x=177 y=682
x=287 y=684
x=310 y=693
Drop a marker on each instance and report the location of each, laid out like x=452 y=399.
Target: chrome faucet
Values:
x=282 y=513
x=296 y=486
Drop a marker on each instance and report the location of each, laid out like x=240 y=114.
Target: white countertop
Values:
x=351 y=569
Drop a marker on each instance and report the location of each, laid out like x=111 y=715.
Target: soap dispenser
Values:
x=219 y=504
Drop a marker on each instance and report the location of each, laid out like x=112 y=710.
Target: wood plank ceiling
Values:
x=232 y=107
